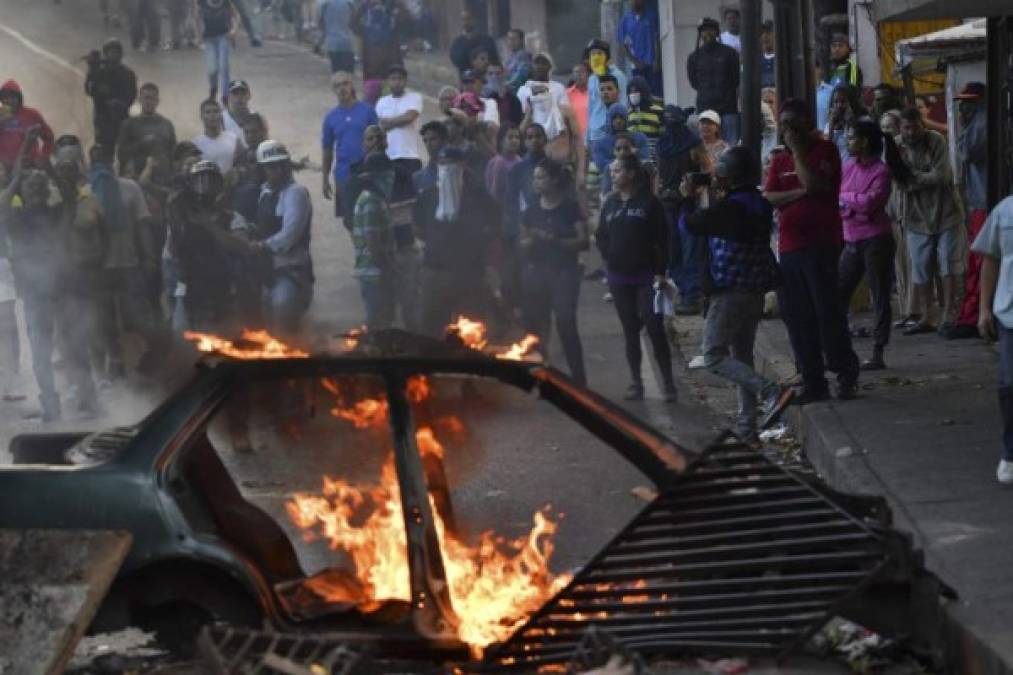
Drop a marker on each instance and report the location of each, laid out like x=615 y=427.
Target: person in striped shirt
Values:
x=645 y=114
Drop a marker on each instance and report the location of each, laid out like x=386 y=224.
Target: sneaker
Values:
x=635 y=392
x=775 y=404
x=808 y=395
x=847 y=390
x=1005 y=472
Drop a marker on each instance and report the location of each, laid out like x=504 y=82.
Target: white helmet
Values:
x=270 y=151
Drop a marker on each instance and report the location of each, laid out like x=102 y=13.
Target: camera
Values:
x=700 y=179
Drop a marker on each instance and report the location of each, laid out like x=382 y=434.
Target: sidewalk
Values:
x=924 y=434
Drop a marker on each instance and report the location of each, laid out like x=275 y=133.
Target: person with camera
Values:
x=803 y=184
x=632 y=237
x=680 y=152
x=112 y=87
x=740 y=271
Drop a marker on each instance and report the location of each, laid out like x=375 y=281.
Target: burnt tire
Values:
x=176 y=601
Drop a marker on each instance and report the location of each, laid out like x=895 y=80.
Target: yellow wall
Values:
x=892 y=31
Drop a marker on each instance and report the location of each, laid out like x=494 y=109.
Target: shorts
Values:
x=935 y=252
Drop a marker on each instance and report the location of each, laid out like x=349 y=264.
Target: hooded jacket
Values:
x=714 y=73
x=14 y=127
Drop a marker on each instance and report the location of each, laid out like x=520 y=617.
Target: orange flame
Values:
x=519 y=350
x=494 y=585
x=472 y=333
x=353 y=336
x=256 y=344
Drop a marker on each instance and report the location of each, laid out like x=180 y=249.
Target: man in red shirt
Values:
x=803 y=185
x=15 y=121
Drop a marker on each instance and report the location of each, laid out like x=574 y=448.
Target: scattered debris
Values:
x=601 y=654
x=99 y=652
x=724 y=666
x=647 y=494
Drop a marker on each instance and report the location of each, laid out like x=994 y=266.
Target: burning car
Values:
x=734 y=553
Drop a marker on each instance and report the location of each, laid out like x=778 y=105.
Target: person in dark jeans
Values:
x=554 y=231
x=869 y=246
x=632 y=237
x=112 y=87
x=713 y=70
x=803 y=185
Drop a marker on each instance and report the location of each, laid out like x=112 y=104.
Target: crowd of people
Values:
x=488 y=210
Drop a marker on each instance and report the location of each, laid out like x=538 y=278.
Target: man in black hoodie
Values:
x=113 y=89
x=713 y=71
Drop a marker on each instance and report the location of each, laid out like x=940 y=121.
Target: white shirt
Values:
x=557 y=90
x=734 y=41
x=491 y=114
x=232 y=126
x=221 y=149
x=404 y=142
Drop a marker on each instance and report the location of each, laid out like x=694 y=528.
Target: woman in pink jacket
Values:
x=869 y=246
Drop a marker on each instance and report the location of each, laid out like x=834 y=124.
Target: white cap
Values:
x=710 y=116
x=269 y=152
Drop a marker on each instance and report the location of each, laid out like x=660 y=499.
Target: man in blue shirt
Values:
x=599 y=57
x=640 y=37
x=336 y=34
x=343 y=130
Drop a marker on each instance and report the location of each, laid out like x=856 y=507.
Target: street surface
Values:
x=41 y=46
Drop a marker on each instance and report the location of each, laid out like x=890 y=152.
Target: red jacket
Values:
x=13 y=128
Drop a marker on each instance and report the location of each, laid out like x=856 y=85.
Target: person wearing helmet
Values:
x=281 y=234
x=740 y=271
x=202 y=250
x=112 y=87
x=713 y=70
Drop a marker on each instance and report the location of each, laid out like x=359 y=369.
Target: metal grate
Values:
x=739 y=556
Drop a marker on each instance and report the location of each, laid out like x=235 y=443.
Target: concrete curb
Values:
x=841 y=461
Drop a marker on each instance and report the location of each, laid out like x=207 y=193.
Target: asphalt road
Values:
x=41 y=46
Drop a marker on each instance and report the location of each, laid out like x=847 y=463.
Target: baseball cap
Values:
x=236 y=85
x=270 y=152
x=710 y=116
x=972 y=91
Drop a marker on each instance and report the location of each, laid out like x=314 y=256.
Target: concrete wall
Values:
x=864 y=39
x=530 y=16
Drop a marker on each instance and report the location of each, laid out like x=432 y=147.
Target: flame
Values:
x=495 y=584
x=353 y=336
x=519 y=350
x=256 y=344
x=473 y=334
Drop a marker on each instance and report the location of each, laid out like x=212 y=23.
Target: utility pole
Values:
x=751 y=12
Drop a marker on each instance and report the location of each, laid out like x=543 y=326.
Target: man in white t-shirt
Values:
x=217 y=144
x=400 y=115
x=541 y=69
x=237 y=108
x=731 y=36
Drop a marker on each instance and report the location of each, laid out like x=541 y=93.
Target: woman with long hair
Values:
x=553 y=233
x=508 y=153
x=632 y=236
x=845 y=110
x=869 y=246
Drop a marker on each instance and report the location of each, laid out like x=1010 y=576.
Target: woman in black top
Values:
x=633 y=239
x=554 y=231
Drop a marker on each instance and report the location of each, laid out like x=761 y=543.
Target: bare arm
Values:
x=989 y=281
x=402 y=120
x=328 y=162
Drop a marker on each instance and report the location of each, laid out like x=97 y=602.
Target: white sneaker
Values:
x=1005 y=472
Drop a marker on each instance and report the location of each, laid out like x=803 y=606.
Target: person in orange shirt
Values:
x=577 y=93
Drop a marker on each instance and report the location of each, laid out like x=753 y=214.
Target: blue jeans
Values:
x=1006 y=388
x=216 y=54
x=378 y=298
x=730 y=128
x=686 y=257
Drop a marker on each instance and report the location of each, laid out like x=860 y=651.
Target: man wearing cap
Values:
x=400 y=115
x=237 y=107
x=112 y=87
x=599 y=58
x=972 y=162
x=640 y=36
x=843 y=67
x=281 y=233
x=713 y=71
x=343 y=130
x=456 y=236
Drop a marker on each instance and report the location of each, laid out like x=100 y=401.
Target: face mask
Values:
x=635 y=99
x=599 y=64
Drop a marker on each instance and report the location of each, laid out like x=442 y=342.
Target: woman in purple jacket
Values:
x=869 y=246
